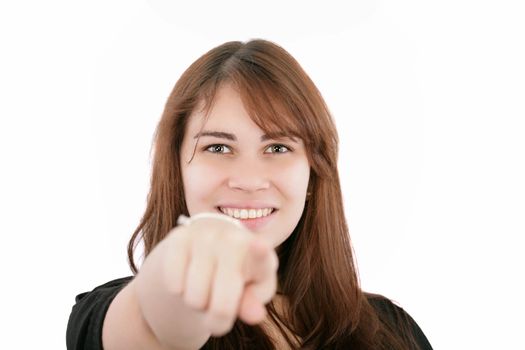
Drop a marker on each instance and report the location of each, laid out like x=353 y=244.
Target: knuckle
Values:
x=194 y=300
x=231 y=249
x=234 y=248
x=238 y=243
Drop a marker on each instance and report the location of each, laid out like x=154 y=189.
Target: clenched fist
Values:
x=220 y=270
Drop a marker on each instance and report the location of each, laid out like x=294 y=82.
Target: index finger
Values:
x=260 y=269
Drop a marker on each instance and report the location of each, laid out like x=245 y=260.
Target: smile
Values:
x=253 y=223
x=240 y=213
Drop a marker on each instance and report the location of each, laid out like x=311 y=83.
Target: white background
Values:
x=428 y=97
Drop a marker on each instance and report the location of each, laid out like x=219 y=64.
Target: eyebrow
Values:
x=232 y=137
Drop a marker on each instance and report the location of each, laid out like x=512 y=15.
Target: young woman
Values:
x=246 y=164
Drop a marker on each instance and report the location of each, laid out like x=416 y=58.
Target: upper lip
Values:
x=247 y=205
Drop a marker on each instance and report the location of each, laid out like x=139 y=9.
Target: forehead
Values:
x=225 y=107
x=225 y=116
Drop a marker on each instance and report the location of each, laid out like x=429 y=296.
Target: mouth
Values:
x=253 y=223
x=247 y=214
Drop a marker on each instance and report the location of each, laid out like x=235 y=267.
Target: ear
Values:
x=309 y=191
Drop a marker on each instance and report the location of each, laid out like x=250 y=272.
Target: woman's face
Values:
x=237 y=169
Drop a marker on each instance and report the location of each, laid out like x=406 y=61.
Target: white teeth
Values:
x=246 y=213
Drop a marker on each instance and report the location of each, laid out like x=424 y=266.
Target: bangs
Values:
x=269 y=106
x=270 y=110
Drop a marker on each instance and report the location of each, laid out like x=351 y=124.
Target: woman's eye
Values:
x=277 y=148
x=217 y=148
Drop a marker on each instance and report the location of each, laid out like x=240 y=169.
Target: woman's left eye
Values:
x=276 y=147
x=217 y=148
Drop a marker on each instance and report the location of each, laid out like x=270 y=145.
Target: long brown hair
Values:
x=317 y=273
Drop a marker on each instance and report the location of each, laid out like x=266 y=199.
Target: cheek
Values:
x=199 y=181
x=294 y=177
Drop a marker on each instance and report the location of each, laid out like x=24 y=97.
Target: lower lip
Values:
x=255 y=223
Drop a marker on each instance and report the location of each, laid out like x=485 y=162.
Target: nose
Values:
x=249 y=176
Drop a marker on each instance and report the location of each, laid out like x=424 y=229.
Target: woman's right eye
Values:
x=217 y=148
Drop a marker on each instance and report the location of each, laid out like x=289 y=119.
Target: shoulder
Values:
x=396 y=318
x=84 y=328
x=108 y=287
x=386 y=309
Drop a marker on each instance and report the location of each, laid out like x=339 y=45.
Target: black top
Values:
x=84 y=329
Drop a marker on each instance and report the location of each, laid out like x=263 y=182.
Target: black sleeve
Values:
x=84 y=328
x=400 y=320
